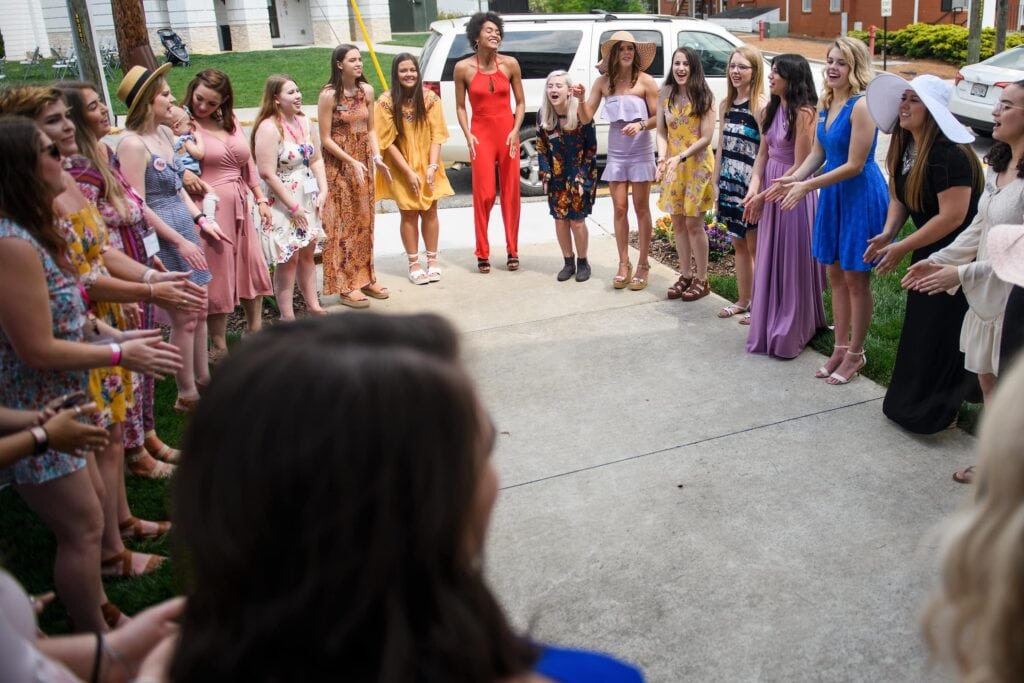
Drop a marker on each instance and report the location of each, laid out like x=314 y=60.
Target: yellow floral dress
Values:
x=110 y=388
x=690 y=191
x=415 y=148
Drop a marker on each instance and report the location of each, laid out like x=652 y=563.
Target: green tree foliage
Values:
x=584 y=6
x=944 y=42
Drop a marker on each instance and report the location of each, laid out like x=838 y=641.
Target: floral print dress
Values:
x=29 y=388
x=690 y=192
x=567 y=165
x=293 y=171
x=110 y=388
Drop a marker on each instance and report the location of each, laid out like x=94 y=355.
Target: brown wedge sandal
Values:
x=680 y=286
x=132 y=529
x=698 y=289
x=120 y=565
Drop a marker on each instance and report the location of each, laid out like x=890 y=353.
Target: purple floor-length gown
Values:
x=787 y=308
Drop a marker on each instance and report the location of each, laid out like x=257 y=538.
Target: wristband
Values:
x=148 y=275
x=198 y=217
x=115 y=354
x=682 y=157
x=432 y=167
x=202 y=221
x=295 y=209
x=263 y=200
x=41 y=438
x=643 y=124
x=378 y=159
x=150 y=299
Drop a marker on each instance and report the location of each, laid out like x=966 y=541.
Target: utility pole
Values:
x=1002 y=15
x=974 y=33
x=89 y=67
x=132 y=35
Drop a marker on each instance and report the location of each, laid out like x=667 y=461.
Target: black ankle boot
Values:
x=568 y=269
x=582 y=270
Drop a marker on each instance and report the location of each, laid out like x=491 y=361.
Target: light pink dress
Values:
x=239 y=269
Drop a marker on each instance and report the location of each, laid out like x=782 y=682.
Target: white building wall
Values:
x=294 y=22
x=23 y=28
x=461 y=7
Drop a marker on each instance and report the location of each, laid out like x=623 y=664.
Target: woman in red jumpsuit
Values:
x=493 y=136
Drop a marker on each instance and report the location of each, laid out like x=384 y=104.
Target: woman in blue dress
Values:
x=377 y=569
x=852 y=202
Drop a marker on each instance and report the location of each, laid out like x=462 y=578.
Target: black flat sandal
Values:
x=483 y=265
x=512 y=263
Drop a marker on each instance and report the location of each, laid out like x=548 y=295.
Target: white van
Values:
x=543 y=43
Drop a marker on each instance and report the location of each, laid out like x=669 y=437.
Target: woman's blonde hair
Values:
x=902 y=140
x=269 y=108
x=141 y=117
x=756 y=59
x=861 y=72
x=976 y=617
x=547 y=116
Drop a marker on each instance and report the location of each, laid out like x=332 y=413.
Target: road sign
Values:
x=886 y=8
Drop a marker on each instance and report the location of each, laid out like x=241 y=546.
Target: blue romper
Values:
x=581 y=666
x=852 y=211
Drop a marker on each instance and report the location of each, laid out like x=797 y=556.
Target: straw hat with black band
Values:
x=884 y=94
x=135 y=82
x=645 y=52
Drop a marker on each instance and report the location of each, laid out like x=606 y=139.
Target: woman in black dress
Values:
x=936 y=180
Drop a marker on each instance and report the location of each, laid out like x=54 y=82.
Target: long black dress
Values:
x=929 y=381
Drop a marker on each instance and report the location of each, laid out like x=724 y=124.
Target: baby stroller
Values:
x=175 y=51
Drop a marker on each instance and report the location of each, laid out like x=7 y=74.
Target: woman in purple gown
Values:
x=786 y=308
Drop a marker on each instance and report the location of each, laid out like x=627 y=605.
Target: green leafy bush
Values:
x=945 y=42
x=584 y=6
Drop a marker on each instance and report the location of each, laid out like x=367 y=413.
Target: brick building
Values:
x=824 y=17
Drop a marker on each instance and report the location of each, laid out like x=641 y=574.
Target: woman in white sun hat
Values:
x=935 y=180
x=630 y=103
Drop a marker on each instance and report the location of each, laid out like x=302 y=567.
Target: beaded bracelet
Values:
x=115 y=354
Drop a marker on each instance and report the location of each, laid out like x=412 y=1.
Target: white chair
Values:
x=32 y=64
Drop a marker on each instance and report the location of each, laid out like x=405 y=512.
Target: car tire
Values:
x=530 y=184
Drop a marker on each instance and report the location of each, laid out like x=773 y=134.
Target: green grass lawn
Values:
x=408 y=39
x=310 y=67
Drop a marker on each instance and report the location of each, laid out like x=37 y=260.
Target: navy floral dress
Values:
x=567 y=164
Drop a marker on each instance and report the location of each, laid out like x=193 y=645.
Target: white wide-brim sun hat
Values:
x=884 y=94
x=1005 y=247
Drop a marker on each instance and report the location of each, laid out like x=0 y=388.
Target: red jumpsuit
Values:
x=489 y=98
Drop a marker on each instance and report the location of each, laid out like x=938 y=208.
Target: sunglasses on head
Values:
x=52 y=150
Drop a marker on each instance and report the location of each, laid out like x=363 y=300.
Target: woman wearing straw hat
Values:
x=936 y=181
x=493 y=136
x=148 y=162
x=630 y=103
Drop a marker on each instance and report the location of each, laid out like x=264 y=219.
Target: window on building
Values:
x=275 y=29
x=835 y=5
x=806 y=5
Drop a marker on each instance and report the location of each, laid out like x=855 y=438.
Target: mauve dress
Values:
x=239 y=269
x=629 y=158
x=786 y=309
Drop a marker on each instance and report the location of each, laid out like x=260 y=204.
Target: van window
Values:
x=657 y=67
x=428 y=48
x=714 y=51
x=538 y=52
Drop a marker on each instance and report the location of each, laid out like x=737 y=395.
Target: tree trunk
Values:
x=81 y=35
x=132 y=35
x=1002 y=15
x=974 y=34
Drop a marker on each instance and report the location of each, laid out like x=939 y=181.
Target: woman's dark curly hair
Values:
x=800 y=92
x=1000 y=155
x=476 y=24
x=324 y=508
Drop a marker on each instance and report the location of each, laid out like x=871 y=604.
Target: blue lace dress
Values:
x=852 y=211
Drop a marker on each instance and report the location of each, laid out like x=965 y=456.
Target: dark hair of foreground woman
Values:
x=327 y=510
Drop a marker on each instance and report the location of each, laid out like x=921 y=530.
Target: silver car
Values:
x=979 y=86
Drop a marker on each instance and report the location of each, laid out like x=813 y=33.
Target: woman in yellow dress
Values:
x=410 y=127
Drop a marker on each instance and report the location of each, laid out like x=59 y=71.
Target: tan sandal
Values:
x=133 y=529
x=120 y=565
x=637 y=283
x=620 y=281
x=159 y=450
x=142 y=465
x=823 y=372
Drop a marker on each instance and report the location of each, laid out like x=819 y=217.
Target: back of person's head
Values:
x=976 y=618
x=327 y=509
x=27 y=100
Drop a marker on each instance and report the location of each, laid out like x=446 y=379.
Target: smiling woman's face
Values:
x=54 y=121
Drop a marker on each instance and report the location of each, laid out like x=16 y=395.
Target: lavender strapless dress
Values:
x=629 y=158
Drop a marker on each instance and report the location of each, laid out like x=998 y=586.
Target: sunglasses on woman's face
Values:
x=52 y=150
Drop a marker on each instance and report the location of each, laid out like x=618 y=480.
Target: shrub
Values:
x=719 y=242
x=944 y=42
